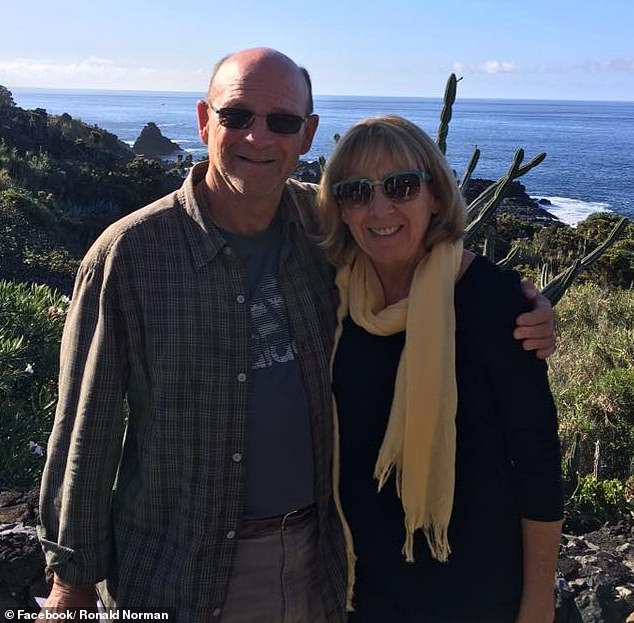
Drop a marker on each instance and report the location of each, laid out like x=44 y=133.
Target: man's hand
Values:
x=64 y=596
x=536 y=328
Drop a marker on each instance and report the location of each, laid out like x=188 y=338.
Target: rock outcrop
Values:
x=308 y=171
x=152 y=144
x=22 y=575
x=597 y=575
x=516 y=202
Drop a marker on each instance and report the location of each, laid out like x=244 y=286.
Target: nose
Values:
x=259 y=130
x=379 y=202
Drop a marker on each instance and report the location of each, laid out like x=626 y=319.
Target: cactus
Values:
x=555 y=287
x=489 y=244
x=476 y=205
x=473 y=161
x=507 y=261
x=445 y=115
x=481 y=209
x=500 y=189
x=571 y=463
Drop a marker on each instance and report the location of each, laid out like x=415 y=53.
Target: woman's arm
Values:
x=529 y=419
x=541 y=546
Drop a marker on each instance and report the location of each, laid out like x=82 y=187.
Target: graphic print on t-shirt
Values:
x=270 y=339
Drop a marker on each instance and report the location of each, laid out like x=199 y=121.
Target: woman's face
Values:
x=390 y=232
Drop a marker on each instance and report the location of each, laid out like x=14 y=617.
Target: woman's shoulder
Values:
x=489 y=292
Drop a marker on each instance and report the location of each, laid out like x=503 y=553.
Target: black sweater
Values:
x=507 y=463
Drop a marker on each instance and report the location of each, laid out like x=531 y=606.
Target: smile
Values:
x=384 y=231
x=254 y=161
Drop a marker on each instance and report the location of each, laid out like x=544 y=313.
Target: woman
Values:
x=436 y=402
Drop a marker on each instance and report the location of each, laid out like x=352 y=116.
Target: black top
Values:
x=507 y=462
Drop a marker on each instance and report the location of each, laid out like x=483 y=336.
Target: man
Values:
x=211 y=312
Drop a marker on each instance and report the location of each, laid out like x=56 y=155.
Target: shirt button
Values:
x=216 y=612
x=237 y=457
x=226 y=250
x=242 y=377
x=231 y=534
x=240 y=298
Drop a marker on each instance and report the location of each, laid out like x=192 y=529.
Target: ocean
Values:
x=589 y=145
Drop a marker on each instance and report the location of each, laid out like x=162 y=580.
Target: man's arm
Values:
x=541 y=546
x=536 y=328
x=84 y=448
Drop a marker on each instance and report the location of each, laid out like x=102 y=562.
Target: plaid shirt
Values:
x=153 y=502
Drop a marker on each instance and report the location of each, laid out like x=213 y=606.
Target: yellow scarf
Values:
x=420 y=439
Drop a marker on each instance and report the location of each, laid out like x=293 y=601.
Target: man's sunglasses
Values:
x=399 y=187
x=242 y=118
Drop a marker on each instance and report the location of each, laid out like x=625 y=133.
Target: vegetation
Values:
x=61 y=183
x=31 y=322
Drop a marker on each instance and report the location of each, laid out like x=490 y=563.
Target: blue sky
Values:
x=557 y=49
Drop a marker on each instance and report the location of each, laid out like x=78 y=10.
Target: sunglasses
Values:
x=399 y=187
x=242 y=118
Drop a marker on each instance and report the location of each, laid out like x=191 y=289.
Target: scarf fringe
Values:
x=437 y=540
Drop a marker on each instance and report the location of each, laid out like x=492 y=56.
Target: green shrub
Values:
x=31 y=322
x=592 y=377
x=596 y=501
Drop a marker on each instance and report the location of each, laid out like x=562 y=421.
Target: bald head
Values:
x=252 y=61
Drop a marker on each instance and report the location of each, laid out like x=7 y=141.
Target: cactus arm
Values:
x=445 y=115
x=473 y=161
x=558 y=285
x=510 y=257
x=544 y=277
x=476 y=205
x=489 y=244
x=531 y=164
x=591 y=258
x=501 y=187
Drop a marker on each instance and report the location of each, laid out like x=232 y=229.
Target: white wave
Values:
x=572 y=211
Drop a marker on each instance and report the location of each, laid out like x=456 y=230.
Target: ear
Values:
x=202 y=112
x=435 y=205
x=310 y=127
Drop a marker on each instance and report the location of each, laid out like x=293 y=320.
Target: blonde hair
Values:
x=359 y=151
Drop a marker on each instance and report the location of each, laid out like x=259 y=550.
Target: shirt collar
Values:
x=202 y=234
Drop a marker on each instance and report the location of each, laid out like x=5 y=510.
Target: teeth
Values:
x=384 y=231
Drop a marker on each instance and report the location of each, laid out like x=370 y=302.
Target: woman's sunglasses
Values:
x=242 y=118
x=399 y=186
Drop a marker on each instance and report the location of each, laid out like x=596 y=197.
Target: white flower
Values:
x=36 y=449
x=29 y=368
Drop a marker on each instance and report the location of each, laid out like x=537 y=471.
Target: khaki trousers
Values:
x=274 y=578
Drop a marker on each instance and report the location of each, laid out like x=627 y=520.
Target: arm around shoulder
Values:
x=536 y=328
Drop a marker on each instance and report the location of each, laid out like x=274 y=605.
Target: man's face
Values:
x=255 y=162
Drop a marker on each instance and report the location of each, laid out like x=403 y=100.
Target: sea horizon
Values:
x=92 y=90
x=587 y=142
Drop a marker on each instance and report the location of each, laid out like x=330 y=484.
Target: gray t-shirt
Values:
x=279 y=457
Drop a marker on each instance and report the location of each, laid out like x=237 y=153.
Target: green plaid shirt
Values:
x=157 y=319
